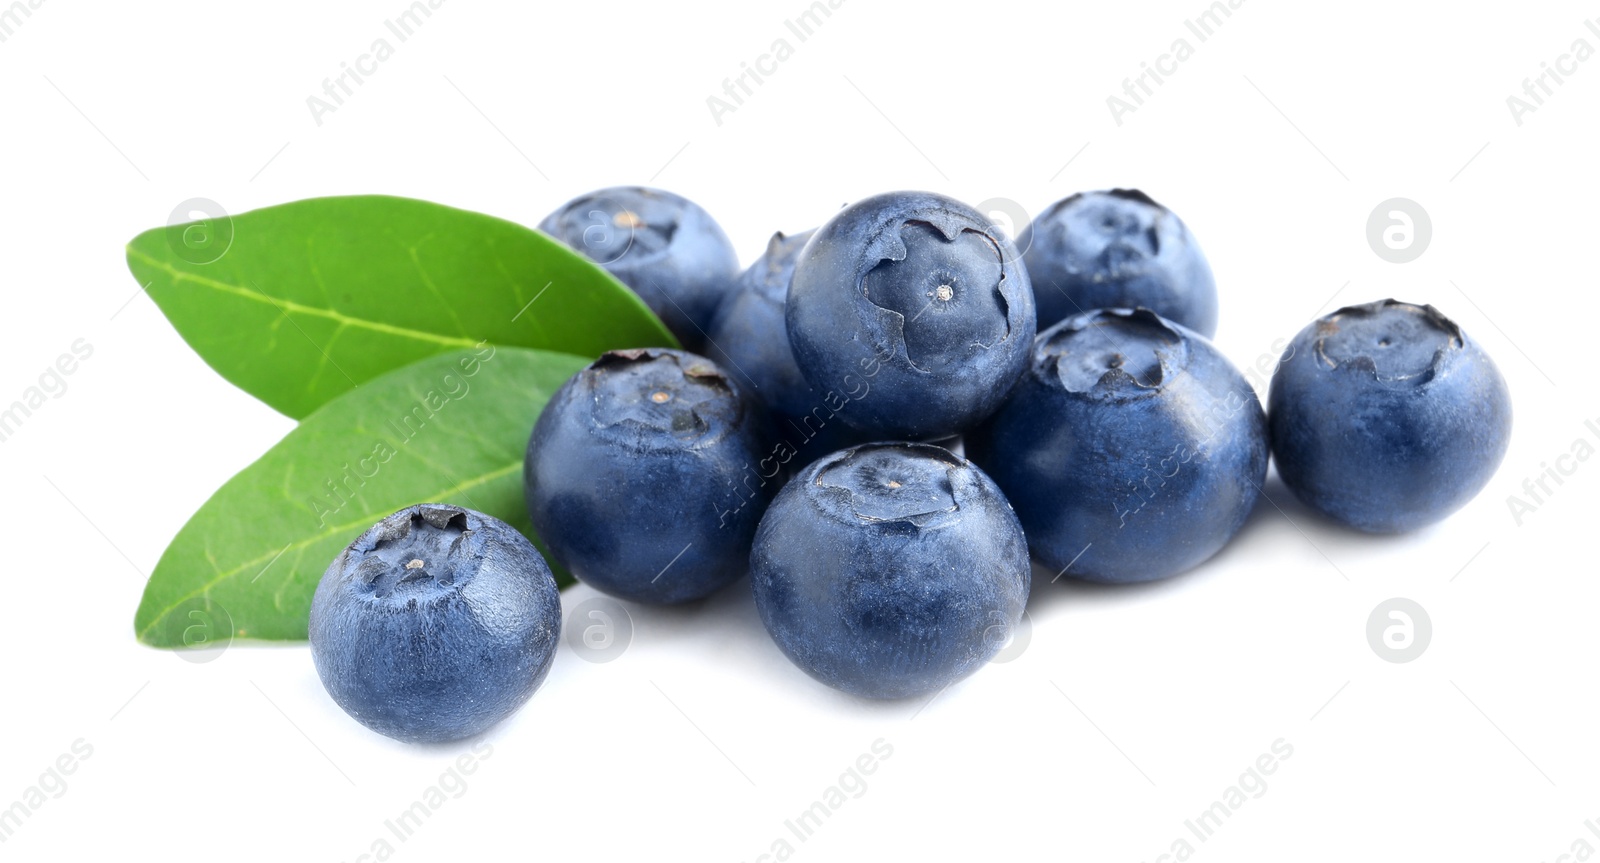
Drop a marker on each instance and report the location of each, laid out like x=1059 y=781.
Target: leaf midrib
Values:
x=205 y=587
x=287 y=305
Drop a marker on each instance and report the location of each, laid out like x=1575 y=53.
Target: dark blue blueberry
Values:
x=748 y=336
x=916 y=309
x=749 y=340
x=647 y=473
x=663 y=246
x=1132 y=450
x=435 y=624
x=890 y=570
x=1387 y=417
x=1118 y=249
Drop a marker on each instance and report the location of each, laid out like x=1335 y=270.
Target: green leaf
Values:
x=298 y=303
x=448 y=429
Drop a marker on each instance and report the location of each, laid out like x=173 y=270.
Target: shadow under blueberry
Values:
x=1049 y=593
x=734 y=626
x=730 y=612
x=1278 y=504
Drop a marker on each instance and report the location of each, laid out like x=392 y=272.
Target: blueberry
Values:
x=749 y=340
x=1387 y=417
x=1132 y=450
x=646 y=474
x=663 y=246
x=912 y=305
x=890 y=570
x=1118 y=249
x=435 y=624
x=747 y=336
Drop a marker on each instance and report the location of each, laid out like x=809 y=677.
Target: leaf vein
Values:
x=365 y=521
x=177 y=275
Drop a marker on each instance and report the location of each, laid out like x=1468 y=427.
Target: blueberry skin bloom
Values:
x=749 y=340
x=747 y=336
x=665 y=247
x=890 y=570
x=435 y=624
x=1132 y=450
x=1387 y=417
x=912 y=305
x=1118 y=249
x=646 y=475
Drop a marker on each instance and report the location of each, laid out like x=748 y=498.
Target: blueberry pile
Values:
x=812 y=437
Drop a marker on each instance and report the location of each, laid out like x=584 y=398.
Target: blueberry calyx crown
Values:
x=1117 y=241
x=890 y=482
x=776 y=267
x=1111 y=354
x=607 y=225
x=652 y=390
x=419 y=552
x=1394 y=341
x=946 y=284
x=1124 y=194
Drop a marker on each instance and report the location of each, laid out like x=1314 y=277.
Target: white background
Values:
x=1129 y=710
